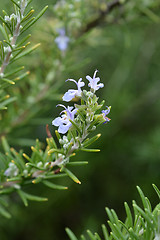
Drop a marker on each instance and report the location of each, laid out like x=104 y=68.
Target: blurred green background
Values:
x=127 y=54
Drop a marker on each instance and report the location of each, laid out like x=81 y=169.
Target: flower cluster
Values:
x=10 y=18
x=75 y=123
x=12 y=170
x=65 y=121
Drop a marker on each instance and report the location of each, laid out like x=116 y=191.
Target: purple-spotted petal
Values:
x=106 y=112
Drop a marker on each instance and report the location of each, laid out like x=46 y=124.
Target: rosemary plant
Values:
x=15 y=45
x=143 y=223
x=43 y=165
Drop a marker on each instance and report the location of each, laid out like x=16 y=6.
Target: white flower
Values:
x=63 y=122
x=93 y=82
x=62 y=40
x=71 y=93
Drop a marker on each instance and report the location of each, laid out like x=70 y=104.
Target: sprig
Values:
x=143 y=224
x=18 y=169
x=12 y=48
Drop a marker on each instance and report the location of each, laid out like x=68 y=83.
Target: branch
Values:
x=110 y=6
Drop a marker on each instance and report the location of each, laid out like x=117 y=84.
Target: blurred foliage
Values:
x=124 y=47
x=141 y=224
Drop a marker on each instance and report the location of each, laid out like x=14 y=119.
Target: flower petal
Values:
x=93 y=82
x=89 y=78
x=57 y=121
x=64 y=128
x=69 y=95
x=101 y=85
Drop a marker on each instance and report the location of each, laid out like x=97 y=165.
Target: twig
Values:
x=110 y=6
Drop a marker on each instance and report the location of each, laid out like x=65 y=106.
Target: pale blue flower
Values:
x=63 y=122
x=62 y=40
x=71 y=93
x=93 y=82
x=106 y=112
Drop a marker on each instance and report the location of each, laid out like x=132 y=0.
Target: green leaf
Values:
x=7 y=190
x=27 y=157
x=129 y=219
x=18 y=159
x=8 y=43
x=54 y=186
x=145 y=204
x=14 y=179
x=26 y=26
x=5 y=144
x=81 y=115
x=34 y=198
x=37 y=153
x=71 y=234
x=28 y=15
x=3 y=32
x=53 y=150
x=92 y=140
x=105 y=232
x=51 y=143
x=115 y=218
x=23 y=197
x=36 y=19
x=4 y=212
x=29 y=1
x=23 y=40
x=97 y=236
x=109 y=213
x=5 y=24
x=124 y=226
x=145 y=215
x=1 y=50
x=77 y=163
x=119 y=233
x=53 y=175
x=34 y=166
x=89 y=150
x=8 y=81
x=57 y=135
x=94 y=122
x=25 y=53
x=16 y=4
x=157 y=190
x=14 y=71
x=82 y=237
x=114 y=236
x=3 y=202
x=71 y=175
x=90 y=234
x=133 y=234
x=76 y=126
